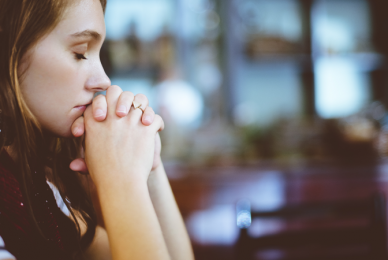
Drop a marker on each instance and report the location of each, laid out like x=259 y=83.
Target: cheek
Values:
x=50 y=86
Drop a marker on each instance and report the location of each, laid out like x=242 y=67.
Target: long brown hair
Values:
x=22 y=24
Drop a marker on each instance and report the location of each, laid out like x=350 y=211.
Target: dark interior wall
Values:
x=379 y=77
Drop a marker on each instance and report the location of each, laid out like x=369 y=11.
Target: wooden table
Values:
x=207 y=196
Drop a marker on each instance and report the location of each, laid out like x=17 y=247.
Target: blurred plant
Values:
x=358 y=139
x=348 y=141
x=256 y=143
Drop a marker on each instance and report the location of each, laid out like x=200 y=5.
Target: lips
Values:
x=82 y=107
x=85 y=105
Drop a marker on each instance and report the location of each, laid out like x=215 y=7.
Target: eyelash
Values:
x=79 y=56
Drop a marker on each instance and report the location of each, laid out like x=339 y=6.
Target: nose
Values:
x=98 y=80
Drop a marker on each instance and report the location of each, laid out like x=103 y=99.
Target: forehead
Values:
x=83 y=15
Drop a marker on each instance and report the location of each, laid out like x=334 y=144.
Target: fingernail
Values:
x=147 y=118
x=76 y=131
x=99 y=113
x=122 y=109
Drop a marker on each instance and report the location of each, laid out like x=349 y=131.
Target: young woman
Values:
x=49 y=72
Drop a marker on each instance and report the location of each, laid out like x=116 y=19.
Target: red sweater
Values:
x=20 y=235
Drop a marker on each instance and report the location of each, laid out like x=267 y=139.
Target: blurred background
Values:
x=272 y=108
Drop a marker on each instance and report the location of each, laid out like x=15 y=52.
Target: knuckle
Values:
x=113 y=89
x=100 y=102
x=80 y=121
x=150 y=110
x=158 y=120
x=100 y=99
x=128 y=94
x=141 y=97
x=100 y=96
x=126 y=98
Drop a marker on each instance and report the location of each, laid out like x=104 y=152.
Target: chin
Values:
x=64 y=129
x=68 y=135
x=64 y=132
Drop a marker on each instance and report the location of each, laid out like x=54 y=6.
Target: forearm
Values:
x=131 y=222
x=170 y=219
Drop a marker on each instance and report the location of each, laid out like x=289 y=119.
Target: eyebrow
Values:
x=87 y=34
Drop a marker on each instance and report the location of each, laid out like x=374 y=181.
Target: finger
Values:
x=112 y=96
x=158 y=124
x=88 y=114
x=89 y=122
x=148 y=116
x=100 y=108
x=124 y=103
x=79 y=165
x=158 y=147
x=78 y=127
x=142 y=100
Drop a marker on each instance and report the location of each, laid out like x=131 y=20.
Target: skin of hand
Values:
x=171 y=222
x=100 y=112
x=127 y=143
x=119 y=154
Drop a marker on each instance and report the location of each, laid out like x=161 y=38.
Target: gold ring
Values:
x=137 y=105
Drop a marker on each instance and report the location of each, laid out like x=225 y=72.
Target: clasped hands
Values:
x=116 y=105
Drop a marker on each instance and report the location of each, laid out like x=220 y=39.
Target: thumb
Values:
x=79 y=165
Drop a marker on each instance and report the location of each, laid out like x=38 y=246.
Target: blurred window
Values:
x=281 y=18
x=341 y=90
x=149 y=16
x=341 y=26
x=268 y=85
x=341 y=47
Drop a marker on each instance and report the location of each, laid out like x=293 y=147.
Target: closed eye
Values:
x=79 y=56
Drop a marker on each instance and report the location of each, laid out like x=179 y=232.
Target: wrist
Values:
x=117 y=182
x=156 y=176
x=157 y=169
x=113 y=197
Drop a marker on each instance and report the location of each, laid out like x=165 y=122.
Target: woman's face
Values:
x=63 y=70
